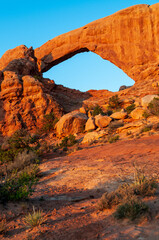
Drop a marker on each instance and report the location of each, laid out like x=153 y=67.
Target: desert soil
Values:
x=70 y=187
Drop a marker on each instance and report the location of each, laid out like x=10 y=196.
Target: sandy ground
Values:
x=70 y=187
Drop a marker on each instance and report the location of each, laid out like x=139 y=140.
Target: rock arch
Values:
x=128 y=38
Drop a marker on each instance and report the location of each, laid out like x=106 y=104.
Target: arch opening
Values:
x=87 y=71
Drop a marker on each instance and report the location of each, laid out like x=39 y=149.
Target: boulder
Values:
x=90 y=124
x=119 y=115
x=147 y=99
x=137 y=113
x=71 y=123
x=102 y=121
x=92 y=136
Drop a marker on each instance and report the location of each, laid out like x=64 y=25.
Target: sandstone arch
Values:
x=128 y=38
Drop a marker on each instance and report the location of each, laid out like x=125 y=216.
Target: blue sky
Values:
x=32 y=23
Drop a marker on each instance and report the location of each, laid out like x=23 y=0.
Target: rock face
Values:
x=24 y=103
x=128 y=38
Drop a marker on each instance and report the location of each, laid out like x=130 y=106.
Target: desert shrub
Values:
x=156 y=126
x=143 y=185
x=114 y=125
x=34 y=219
x=131 y=209
x=154 y=106
x=17 y=143
x=146 y=114
x=126 y=196
x=68 y=141
x=114 y=102
x=97 y=110
x=22 y=160
x=130 y=108
x=113 y=139
x=146 y=128
x=49 y=122
x=18 y=185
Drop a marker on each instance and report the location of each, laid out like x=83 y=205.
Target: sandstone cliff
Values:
x=128 y=38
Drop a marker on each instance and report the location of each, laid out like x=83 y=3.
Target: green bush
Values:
x=130 y=108
x=97 y=110
x=68 y=141
x=146 y=128
x=49 y=122
x=114 y=102
x=17 y=143
x=131 y=209
x=113 y=139
x=18 y=185
x=154 y=106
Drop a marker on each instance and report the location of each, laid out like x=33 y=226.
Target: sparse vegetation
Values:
x=49 y=122
x=34 y=219
x=114 y=125
x=146 y=114
x=131 y=209
x=146 y=128
x=154 y=106
x=19 y=171
x=68 y=141
x=113 y=139
x=130 y=108
x=114 y=102
x=126 y=196
x=97 y=110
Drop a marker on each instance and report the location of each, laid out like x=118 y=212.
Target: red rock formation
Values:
x=128 y=38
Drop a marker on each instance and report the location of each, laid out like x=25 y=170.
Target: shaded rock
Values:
x=11 y=86
x=90 y=113
x=119 y=115
x=137 y=113
x=92 y=136
x=12 y=54
x=90 y=124
x=71 y=123
x=123 y=87
x=102 y=121
x=147 y=99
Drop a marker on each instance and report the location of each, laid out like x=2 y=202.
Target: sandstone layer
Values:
x=128 y=38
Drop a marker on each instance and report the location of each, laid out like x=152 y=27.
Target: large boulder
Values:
x=147 y=99
x=90 y=124
x=137 y=113
x=119 y=115
x=71 y=123
x=102 y=121
x=92 y=136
